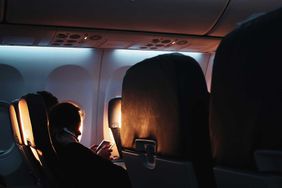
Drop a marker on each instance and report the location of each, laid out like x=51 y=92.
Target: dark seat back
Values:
x=246 y=93
x=36 y=135
x=164 y=130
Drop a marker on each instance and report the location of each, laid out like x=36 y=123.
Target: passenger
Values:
x=81 y=164
x=50 y=100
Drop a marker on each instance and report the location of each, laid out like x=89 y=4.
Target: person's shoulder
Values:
x=76 y=149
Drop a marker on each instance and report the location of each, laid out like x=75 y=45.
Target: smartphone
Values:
x=103 y=143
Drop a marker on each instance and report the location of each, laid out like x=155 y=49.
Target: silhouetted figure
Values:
x=83 y=166
x=51 y=100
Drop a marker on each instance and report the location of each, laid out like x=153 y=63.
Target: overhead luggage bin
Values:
x=195 y=17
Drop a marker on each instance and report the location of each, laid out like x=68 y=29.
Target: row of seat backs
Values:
x=164 y=132
x=31 y=132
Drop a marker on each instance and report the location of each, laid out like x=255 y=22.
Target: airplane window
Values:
x=6 y=137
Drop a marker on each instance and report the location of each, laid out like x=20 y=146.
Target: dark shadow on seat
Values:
x=164 y=130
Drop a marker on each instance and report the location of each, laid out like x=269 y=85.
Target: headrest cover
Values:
x=165 y=99
x=246 y=92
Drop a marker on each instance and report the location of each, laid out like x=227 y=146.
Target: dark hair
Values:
x=49 y=99
x=65 y=115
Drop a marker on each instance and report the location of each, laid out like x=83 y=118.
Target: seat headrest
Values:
x=164 y=99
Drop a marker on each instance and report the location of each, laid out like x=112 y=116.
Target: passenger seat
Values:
x=164 y=132
x=36 y=136
x=13 y=169
x=246 y=105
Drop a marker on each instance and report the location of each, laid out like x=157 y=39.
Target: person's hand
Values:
x=94 y=147
x=104 y=152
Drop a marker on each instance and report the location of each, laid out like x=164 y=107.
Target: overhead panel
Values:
x=2 y=6
x=194 y=17
x=241 y=10
x=132 y=40
x=26 y=35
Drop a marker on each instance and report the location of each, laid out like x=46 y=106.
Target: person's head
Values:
x=49 y=99
x=66 y=115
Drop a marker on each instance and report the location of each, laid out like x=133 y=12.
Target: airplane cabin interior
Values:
x=188 y=93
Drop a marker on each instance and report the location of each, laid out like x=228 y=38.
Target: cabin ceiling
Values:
x=239 y=11
x=165 y=16
x=182 y=25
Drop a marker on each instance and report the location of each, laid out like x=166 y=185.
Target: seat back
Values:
x=26 y=152
x=164 y=130
x=35 y=127
x=246 y=97
x=13 y=168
